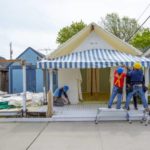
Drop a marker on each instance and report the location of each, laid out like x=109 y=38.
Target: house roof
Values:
x=117 y=44
x=3 y=66
x=29 y=48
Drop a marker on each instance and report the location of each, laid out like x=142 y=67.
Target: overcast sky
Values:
x=36 y=23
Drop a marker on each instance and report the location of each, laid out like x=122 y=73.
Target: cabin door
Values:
x=31 y=80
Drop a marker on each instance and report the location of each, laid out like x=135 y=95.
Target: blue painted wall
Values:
x=34 y=76
x=39 y=80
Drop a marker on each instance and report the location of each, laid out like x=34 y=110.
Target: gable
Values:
x=93 y=41
x=30 y=56
x=105 y=37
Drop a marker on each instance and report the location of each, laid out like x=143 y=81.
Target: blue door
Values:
x=31 y=80
x=55 y=80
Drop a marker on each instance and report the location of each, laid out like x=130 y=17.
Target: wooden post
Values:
x=146 y=72
x=24 y=88
x=49 y=104
x=50 y=95
x=1 y=81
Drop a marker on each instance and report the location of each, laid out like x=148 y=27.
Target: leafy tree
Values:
x=67 y=32
x=142 y=39
x=120 y=27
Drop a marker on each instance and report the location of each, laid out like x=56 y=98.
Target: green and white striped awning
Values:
x=93 y=58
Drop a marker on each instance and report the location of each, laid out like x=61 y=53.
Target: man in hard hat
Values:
x=130 y=89
x=136 y=77
x=60 y=96
x=119 y=77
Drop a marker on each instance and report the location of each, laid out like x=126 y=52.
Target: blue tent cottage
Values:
x=34 y=76
x=86 y=63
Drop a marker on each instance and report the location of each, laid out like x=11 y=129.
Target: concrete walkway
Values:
x=74 y=136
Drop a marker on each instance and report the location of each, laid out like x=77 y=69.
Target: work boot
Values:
x=109 y=107
x=147 y=110
x=124 y=107
x=135 y=108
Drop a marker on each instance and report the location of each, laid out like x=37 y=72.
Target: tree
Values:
x=120 y=27
x=142 y=39
x=67 y=32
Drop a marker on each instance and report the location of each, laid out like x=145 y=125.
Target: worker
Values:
x=119 y=77
x=136 y=77
x=129 y=89
x=61 y=97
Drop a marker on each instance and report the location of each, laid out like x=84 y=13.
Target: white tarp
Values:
x=72 y=78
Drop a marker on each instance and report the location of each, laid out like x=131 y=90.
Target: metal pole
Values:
x=45 y=86
x=51 y=86
x=24 y=88
x=11 y=52
x=146 y=81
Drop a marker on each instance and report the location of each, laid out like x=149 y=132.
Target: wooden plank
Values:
x=10 y=60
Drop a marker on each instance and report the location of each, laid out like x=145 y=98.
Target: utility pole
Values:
x=11 y=51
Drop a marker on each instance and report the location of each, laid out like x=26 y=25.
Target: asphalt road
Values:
x=74 y=136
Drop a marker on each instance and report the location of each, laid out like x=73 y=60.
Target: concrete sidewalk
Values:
x=74 y=136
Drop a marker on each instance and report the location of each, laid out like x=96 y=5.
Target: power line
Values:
x=137 y=29
x=143 y=12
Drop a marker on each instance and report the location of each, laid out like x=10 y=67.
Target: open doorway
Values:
x=96 y=84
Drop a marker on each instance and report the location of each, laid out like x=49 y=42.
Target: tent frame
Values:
x=146 y=73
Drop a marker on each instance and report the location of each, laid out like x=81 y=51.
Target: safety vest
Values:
x=118 y=81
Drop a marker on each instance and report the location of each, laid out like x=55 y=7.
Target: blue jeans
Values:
x=139 y=90
x=114 y=94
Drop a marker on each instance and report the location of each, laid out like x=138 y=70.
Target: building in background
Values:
x=3 y=75
x=34 y=76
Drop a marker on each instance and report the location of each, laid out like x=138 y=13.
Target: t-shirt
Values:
x=59 y=92
x=119 y=79
x=136 y=77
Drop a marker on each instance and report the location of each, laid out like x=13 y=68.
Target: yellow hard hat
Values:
x=137 y=65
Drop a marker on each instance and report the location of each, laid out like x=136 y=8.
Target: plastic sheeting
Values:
x=72 y=78
x=33 y=99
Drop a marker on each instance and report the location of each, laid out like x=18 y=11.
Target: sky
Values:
x=35 y=23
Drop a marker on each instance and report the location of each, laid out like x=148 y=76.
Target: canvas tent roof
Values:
x=66 y=56
x=93 y=58
x=117 y=44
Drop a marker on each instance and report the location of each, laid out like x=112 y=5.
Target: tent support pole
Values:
x=51 y=85
x=111 y=79
x=24 y=88
x=146 y=72
x=45 y=85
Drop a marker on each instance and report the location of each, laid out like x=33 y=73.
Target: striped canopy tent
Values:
x=93 y=58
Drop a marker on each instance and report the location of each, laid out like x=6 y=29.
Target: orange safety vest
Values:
x=118 y=80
